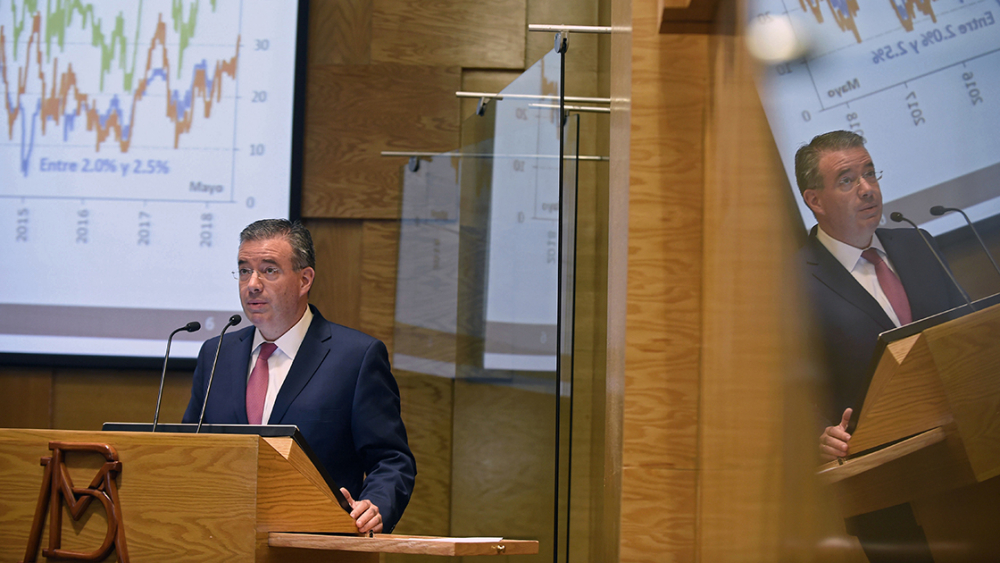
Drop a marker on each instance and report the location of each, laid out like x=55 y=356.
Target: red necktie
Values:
x=891 y=286
x=257 y=385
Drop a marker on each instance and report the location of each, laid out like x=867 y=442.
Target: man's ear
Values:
x=308 y=275
x=811 y=197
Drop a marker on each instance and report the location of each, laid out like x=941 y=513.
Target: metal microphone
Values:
x=939 y=210
x=233 y=320
x=192 y=326
x=897 y=217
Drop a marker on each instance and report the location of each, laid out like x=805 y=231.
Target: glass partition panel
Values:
x=479 y=300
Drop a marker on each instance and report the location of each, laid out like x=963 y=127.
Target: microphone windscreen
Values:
x=937 y=210
x=193 y=326
x=235 y=320
x=896 y=216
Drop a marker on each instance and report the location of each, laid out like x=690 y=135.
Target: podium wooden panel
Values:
x=203 y=498
x=184 y=497
x=930 y=425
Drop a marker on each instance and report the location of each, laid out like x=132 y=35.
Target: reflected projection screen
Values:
x=920 y=80
x=141 y=137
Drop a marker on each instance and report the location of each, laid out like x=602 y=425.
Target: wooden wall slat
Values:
x=336 y=290
x=340 y=32
x=380 y=244
x=450 y=33
x=355 y=112
x=658 y=515
x=669 y=82
x=427 y=414
x=84 y=399
x=26 y=398
x=758 y=498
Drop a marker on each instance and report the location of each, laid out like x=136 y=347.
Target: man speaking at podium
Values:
x=861 y=281
x=294 y=367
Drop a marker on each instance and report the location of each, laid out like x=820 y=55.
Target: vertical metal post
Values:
x=561 y=45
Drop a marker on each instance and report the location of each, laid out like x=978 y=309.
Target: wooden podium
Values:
x=928 y=433
x=186 y=497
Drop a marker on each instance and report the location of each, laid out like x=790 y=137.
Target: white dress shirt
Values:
x=862 y=270
x=281 y=360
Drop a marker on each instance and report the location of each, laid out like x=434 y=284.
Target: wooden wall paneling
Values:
x=664 y=269
x=660 y=426
x=84 y=399
x=340 y=32
x=380 y=249
x=471 y=34
x=687 y=16
x=355 y=112
x=427 y=414
x=336 y=291
x=26 y=397
x=758 y=497
x=658 y=514
x=502 y=475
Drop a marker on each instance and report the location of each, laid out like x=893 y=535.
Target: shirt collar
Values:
x=846 y=254
x=289 y=342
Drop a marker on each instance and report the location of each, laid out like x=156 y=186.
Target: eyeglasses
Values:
x=871 y=177
x=269 y=273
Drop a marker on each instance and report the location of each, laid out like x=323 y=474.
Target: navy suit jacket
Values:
x=342 y=396
x=848 y=319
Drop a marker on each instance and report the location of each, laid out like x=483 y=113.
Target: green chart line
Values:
x=60 y=18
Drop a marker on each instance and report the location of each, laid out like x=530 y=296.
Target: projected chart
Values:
x=919 y=79
x=139 y=138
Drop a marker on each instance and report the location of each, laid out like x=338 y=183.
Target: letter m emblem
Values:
x=58 y=487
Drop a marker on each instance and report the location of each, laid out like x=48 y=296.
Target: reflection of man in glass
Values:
x=861 y=281
x=294 y=367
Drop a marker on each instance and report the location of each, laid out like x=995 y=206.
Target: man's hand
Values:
x=365 y=514
x=833 y=441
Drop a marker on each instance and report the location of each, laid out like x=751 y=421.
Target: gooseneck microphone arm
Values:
x=192 y=326
x=898 y=217
x=939 y=210
x=233 y=320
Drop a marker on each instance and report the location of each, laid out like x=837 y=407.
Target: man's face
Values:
x=275 y=300
x=847 y=209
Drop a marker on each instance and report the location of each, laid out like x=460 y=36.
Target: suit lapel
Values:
x=310 y=356
x=831 y=273
x=234 y=366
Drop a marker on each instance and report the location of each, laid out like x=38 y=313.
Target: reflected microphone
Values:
x=192 y=326
x=898 y=217
x=939 y=210
x=233 y=320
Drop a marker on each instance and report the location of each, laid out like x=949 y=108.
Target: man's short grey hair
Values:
x=807 y=158
x=297 y=235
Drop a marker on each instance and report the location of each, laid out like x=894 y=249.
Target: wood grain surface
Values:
x=449 y=33
x=412 y=545
x=340 y=32
x=905 y=397
x=183 y=497
x=336 y=290
x=355 y=112
x=967 y=355
x=26 y=401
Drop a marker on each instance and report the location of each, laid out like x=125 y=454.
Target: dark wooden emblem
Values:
x=57 y=487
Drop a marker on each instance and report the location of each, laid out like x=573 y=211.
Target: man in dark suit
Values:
x=861 y=281
x=333 y=382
